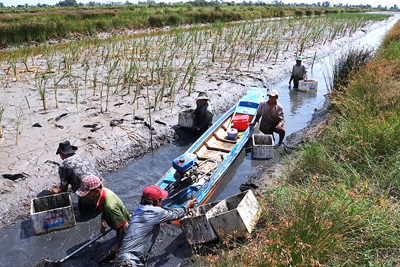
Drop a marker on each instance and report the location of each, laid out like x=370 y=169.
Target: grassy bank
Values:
x=338 y=204
x=18 y=26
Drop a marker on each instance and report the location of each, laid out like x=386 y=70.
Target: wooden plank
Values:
x=221 y=135
x=204 y=153
x=227 y=124
x=215 y=144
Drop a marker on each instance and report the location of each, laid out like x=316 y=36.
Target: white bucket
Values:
x=232 y=134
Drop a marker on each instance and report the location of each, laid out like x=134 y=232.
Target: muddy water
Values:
x=20 y=247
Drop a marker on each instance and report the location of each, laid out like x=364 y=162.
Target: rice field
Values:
x=166 y=64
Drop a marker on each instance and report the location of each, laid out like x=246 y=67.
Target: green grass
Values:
x=18 y=26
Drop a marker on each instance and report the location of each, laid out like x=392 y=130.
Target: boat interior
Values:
x=217 y=146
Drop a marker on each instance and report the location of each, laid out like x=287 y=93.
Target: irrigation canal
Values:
x=20 y=247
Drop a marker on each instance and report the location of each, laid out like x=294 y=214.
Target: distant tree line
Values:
x=199 y=3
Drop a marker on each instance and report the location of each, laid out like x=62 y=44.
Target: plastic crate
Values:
x=236 y=215
x=196 y=226
x=186 y=118
x=263 y=146
x=308 y=86
x=51 y=213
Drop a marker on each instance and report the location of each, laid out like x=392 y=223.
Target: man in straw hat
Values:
x=113 y=211
x=299 y=72
x=273 y=116
x=145 y=226
x=203 y=113
x=71 y=171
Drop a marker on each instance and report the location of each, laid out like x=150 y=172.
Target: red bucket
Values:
x=241 y=122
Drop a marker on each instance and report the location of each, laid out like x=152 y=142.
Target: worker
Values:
x=203 y=113
x=299 y=72
x=113 y=211
x=71 y=171
x=145 y=226
x=273 y=117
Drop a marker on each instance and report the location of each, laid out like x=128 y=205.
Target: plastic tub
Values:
x=241 y=122
x=233 y=134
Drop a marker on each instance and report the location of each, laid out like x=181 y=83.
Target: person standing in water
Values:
x=299 y=72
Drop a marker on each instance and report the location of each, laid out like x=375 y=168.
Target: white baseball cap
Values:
x=273 y=92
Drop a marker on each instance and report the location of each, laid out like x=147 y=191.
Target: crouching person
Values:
x=113 y=211
x=145 y=226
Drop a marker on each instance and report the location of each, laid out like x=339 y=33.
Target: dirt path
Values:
x=34 y=161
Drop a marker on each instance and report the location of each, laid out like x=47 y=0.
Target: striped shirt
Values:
x=143 y=231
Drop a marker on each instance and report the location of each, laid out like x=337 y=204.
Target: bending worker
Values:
x=145 y=226
x=72 y=170
x=273 y=116
x=113 y=211
x=203 y=113
x=299 y=72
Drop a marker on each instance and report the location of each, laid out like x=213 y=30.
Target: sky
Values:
x=373 y=3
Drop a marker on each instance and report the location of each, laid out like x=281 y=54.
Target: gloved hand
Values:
x=106 y=257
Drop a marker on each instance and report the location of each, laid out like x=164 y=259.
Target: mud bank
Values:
x=30 y=167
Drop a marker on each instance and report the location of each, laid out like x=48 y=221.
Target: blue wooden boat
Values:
x=198 y=172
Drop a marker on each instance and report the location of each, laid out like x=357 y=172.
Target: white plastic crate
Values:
x=51 y=213
x=186 y=118
x=196 y=226
x=308 y=86
x=263 y=146
x=236 y=215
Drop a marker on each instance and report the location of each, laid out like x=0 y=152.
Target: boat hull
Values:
x=215 y=153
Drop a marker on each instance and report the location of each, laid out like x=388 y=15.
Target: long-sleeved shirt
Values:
x=299 y=72
x=270 y=118
x=143 y=231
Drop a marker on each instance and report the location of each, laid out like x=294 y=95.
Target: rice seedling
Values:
x=12 y=61
x=26 y=98
x=101 y=98
x=95 y=80
x=86 y=69
x=75 y=91
x=19 y=115
x=55 y=84
x=2 y=83
x=2 y=109
x=40 y=84
x=149 y=109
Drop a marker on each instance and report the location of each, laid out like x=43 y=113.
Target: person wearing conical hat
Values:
x=299 y=72
x=203 y=114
